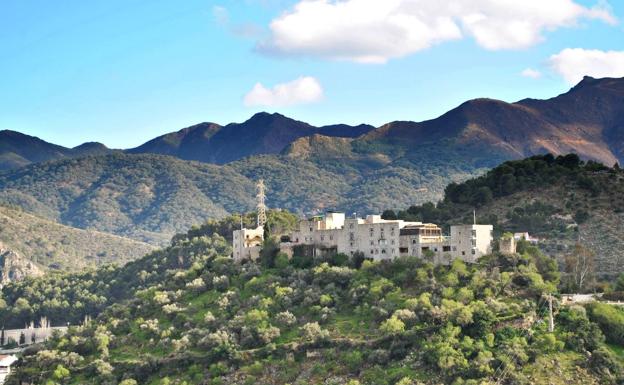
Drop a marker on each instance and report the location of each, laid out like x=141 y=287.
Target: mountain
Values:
x=587 y=120
x=152 y=197
x=18 y=150
x=263 y=133
x=52 y=246
x=189 y=314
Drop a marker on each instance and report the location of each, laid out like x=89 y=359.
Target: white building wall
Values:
x=470 y=242
x=247 y=243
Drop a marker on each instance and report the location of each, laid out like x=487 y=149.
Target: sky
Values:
x=121 y=72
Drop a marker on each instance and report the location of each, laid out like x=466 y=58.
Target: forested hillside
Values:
x=562 y=200
x=152 y=197
x=190 y=315
x=57 y=247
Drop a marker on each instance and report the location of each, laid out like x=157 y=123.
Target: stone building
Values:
x=247 y=243
x=375 y=238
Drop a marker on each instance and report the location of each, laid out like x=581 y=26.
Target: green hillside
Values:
x=563 y=201
x=152 y=197
x=58 y=247
x=190 y=315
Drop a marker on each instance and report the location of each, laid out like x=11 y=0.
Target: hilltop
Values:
x=563 y=201
x=27 y=239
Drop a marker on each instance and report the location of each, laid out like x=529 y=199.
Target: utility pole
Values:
x=261 y=207
x=551 y=320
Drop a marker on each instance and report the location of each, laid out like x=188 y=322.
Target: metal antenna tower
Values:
x=261 y=207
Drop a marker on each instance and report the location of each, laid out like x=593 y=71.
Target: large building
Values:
x=376 y=239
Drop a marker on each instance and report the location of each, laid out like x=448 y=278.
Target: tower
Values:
x=261 y=206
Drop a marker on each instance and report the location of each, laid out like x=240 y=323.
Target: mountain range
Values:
x=587 y=120
x=157 y=189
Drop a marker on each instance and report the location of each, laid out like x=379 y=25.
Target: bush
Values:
x=610 y=319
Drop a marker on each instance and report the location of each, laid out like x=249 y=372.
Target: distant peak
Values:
x=90 y=145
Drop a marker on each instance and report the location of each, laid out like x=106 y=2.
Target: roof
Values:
x=7 y=360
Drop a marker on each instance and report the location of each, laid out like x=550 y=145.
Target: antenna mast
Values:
x=261 y=207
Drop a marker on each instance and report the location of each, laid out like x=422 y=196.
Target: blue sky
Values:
x=124 y=71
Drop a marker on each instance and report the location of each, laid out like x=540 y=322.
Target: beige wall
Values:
x=247 y=243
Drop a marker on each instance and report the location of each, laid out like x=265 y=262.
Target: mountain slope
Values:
x=562 y=201
x=53 y=246
x=152 y=197
x=587 y=120
x=18 y=150
x=190 y=314
x=263 y=133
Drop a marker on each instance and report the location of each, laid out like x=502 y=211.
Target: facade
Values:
x=5 y=366
x=381 y=239
x=247 y=243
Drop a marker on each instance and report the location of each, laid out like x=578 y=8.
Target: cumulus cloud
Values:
x=574 y=63
x=303 y=90
x=531 y=73
x=374 y=31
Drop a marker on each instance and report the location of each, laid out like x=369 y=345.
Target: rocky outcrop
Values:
x=14 y=267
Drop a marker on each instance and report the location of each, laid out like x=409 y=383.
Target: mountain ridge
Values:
x=588 y=120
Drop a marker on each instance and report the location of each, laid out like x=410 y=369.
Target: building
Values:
x=527 y=237
x=247 y=243
x=507 y=244
x=5 y=366
x=380 y=239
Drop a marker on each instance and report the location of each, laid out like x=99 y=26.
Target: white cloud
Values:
x=221 y=15
x=574 y=63
x=374 y=31
x=531 y=73
x=303 y=90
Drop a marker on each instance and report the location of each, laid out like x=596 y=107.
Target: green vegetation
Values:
x=558 y=199
x=153 y=197
x=191 y=315
x=64 y=248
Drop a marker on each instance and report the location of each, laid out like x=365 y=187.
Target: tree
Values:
x=2 y=337
x=392 y=326
x=580 y=266
x=389 y=215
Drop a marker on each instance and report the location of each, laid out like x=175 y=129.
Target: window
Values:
x=446 y=248
x=463 y=253
x=322 y=237
x=392 y=242
x=331 y=237
x=351 y=244
x=383 y=251
x=310 y=229
x=403 y=250
x=474 y=252
x=454 y=248
x=474 y=233
x=351 y=236
x=372 y=251
x=473 y=242
x=372 y=243
x=350 y=225
x=413 y=241
x=435 y=249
